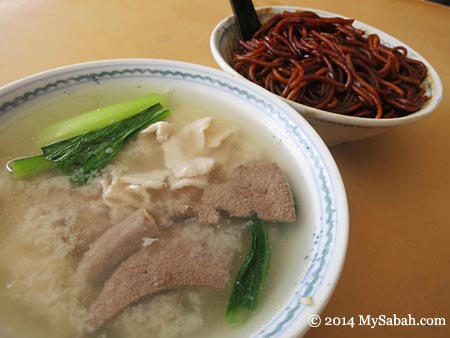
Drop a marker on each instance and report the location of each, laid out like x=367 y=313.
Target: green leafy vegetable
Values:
x=252 y=275
x=97 y=118
x=83 y=156
x=29 y=166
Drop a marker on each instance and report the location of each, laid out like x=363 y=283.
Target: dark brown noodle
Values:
x=328 y=64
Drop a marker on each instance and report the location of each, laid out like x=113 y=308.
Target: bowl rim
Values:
x=322 y=115
x=315 y=145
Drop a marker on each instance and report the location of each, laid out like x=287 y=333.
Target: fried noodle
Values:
x=327 y=63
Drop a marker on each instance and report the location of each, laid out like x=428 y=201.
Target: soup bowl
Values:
x=332 y=127
x=318 y=241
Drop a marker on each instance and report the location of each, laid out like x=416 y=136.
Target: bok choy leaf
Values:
x=82 y=157
x=250 y=279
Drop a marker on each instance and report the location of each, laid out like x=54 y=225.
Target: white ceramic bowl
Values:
x=321 y=240
x=333 y=128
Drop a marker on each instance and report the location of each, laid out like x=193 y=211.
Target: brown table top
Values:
x=398 y=183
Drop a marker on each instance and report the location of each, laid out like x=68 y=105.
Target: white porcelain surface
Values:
x=333 y=128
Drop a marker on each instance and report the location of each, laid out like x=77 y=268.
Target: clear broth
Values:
x=21 y=317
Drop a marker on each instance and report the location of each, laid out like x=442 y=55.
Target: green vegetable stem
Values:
x=97 y=118
x=29 y=166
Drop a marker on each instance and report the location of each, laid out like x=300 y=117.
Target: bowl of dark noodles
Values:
x=348 y=79
x=156 y=198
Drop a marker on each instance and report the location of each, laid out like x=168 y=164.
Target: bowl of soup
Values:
x=348 y=79
x=159 y=198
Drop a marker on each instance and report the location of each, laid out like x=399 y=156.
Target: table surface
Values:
x=398 y=183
